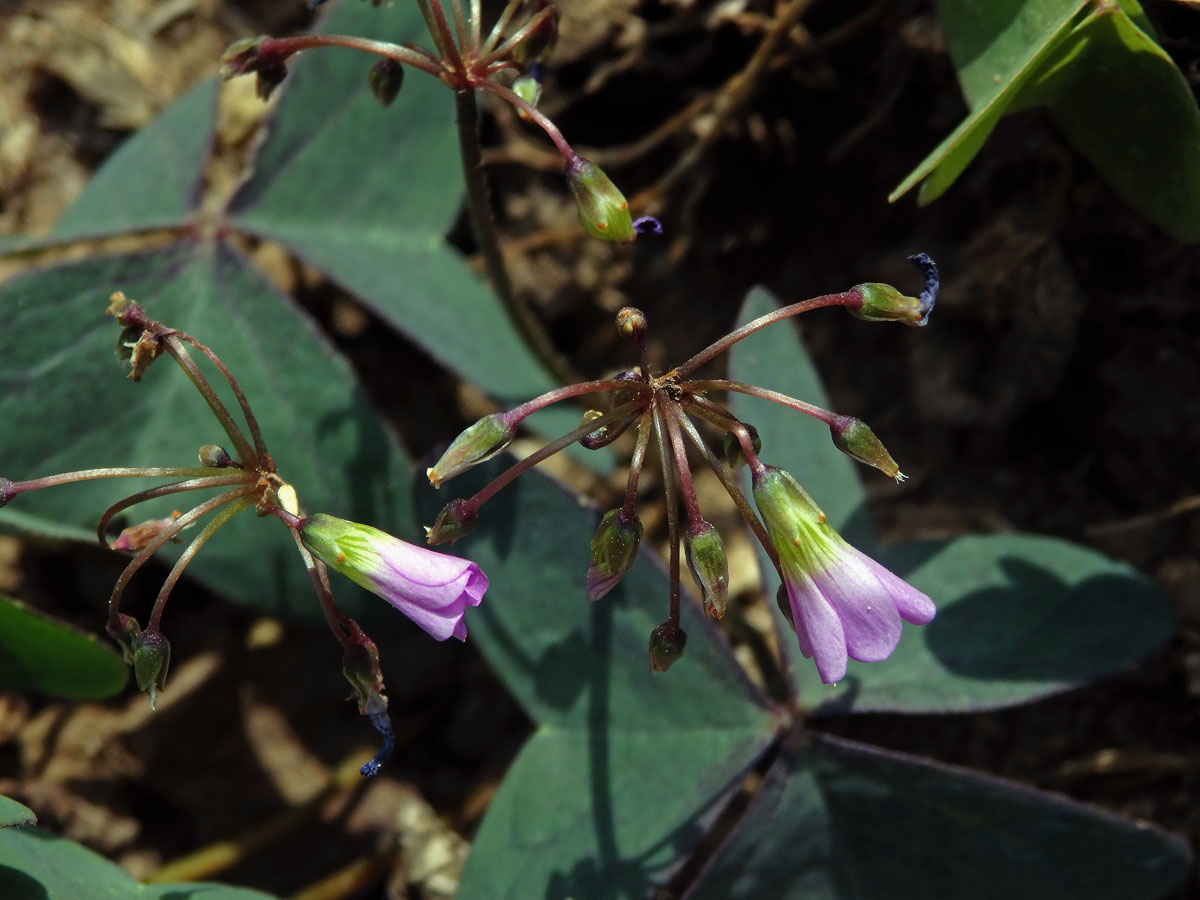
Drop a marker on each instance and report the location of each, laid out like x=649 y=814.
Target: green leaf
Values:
x=1019 y=617
x=609 y=790
x=40 y=654
x=836 y=820
x=68 y=406
x=366 y=193
x=997 y=48
x=153 y=180
x=1127 y=108
x=37 y=865
x=13 y=813
x=606 y=814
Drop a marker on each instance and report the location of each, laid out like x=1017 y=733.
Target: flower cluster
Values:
x=506 y=63
x=431 y=588
x=842 y=604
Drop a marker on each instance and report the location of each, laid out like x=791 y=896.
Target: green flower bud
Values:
x=667 y=642
x=477 y=444
x=528 y=89
x=706 y=558
x=603 y=210
x=883 y=303
x=614 y=548
x=456 y=520
x=386 y=78
x=854 y=438
x=731 y=447
x=151 y=658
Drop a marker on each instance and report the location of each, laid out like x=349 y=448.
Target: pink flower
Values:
x=433 y=589
x=843 y=603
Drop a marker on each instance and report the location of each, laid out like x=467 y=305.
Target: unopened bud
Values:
x=528 y=89
x=614 y=548
x=883 y=303
x=386 y=78
x=621 y=396
x=215 y=457
x=477 y=444
x=706 y=558
x=456 y=520
x=125 y=633
x=731 y=447
x=667 y=642
x=8 y=490
x=151 y=659
x=603 y=210
x=135 y=537
x=854 y=438
x=631 y=323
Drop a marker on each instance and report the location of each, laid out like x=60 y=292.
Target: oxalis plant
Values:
x=696 y=782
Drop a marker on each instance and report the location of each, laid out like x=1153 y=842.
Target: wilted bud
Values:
x=456 y=520
x=215 y=457
x=731 y=447
x=135 y=537
x=854 y=438
x=667 y=642
x=125 y=634
x=386 y=78
x=477 y=444
x=603 y=210
x=706 y=558
x=622 y=396
x=255 y=55
x=360 y=665
x=151 y=658
x=614 y=548
x=529 y=89
x=8 y=490
x=604 y=435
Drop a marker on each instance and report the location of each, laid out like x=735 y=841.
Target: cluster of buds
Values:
x=841 y=603
x=506 y=63
x=431 y=588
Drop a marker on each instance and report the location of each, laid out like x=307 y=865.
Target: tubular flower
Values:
x=843 y=603
x=433 y=589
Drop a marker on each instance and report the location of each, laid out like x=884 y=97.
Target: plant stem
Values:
x=687 y=489
x=165 y=535
x=189 y=554
x=668 y=470
x=36 y=484
x=417 y=57
x=163 y=490
x=628 y=507
x=488 y=239
x=718 y=347
x=724 y=420
x=260 y=448
x=753 y=390
x=501 y=23
x=535 y=114
x=517 y=413
x=517 y=38
x=489 y=490
x=174 y=346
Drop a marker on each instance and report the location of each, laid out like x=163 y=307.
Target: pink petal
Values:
x=821 y=625
x=913 y=605
x=863 y=604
